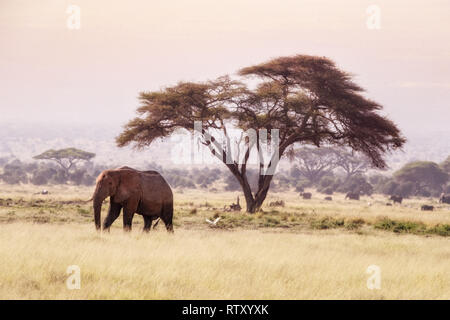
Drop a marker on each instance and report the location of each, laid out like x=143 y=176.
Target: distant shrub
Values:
x=440 y=229
x=326 y=181
x=60 y=177
x=447 y=189
x=400 y=226
x=405 y=189
x=354 y=224
x=412 y=227
x=378 y=179
x=281 y=182
x=327 y=223
x=14 y=173
x=445 y=165
x=328 y=190
x=302 y=184
x=356 y=184
x=295 y=172
x=426 y=176
x=389 y=187
x=41 y=177
x=426 y=193
x=231 y=183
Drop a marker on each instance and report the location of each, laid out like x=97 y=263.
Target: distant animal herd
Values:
x=444 y=198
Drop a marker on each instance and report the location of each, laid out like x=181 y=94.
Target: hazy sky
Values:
x=94 y=74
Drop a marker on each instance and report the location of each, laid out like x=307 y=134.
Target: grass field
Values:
x=309 y=249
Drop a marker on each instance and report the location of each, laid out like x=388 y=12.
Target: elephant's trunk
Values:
x=97 y=213
x=98 y=198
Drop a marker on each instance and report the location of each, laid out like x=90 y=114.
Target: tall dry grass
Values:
x=214 y=264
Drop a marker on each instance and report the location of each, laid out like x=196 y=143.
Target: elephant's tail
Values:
x=167 y=215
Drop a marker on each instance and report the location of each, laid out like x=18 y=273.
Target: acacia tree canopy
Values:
x=315 y=163
x=66 y=158
x=307 y=98
x=445 y=165
x=351 y=163
x=423 y=174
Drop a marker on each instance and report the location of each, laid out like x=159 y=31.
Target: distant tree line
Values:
x=328 y=170
x=44 y=173
x=59 y=167
x=192 y=178
x=332 y=170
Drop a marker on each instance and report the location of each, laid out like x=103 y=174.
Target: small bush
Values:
x=327 y=223
x=83 y=211
x=354 y=224
x=272 y=221
x=400 y=226
x=328 y=190
x=440 y=229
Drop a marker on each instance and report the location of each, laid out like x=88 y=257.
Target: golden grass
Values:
x=57 y=192
x=275 y=254
x=368 y=208
x=215 y=264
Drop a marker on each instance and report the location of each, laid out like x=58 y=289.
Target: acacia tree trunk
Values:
x=249 y=200
x=246 y=189
x=254 y=201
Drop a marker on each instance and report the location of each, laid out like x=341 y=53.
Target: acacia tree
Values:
x=307 y=98
x=352 y=163
x=314 y=163
x=66 y=158
x=423 y=174
x=445 y=165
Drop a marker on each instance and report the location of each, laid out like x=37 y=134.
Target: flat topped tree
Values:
x=446 y=165
x=423 y=174
x=66 y=158
x=314 y=163
x=307 y=98
x=351 y=163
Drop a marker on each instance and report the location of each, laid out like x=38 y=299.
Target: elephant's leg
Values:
x=129 y=210
x=147 y=223
x=113 y=213
x=169 y=227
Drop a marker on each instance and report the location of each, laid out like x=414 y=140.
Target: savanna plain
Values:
x=306 y=249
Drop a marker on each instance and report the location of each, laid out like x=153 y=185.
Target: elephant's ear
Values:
x=128 y=186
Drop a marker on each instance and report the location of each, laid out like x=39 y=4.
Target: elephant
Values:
x=444 y=198
x=142 y=192
x=352 y=196
x=306 y=195
x=397 y=199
